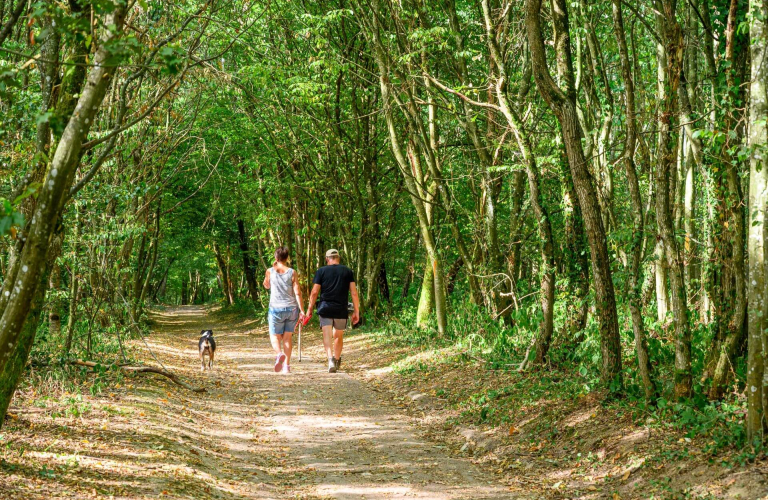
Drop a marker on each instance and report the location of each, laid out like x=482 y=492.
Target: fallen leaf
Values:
x=625 y=476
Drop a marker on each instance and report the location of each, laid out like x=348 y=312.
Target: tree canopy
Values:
x=556 y=183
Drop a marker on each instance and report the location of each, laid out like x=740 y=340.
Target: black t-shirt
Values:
x=334 y=283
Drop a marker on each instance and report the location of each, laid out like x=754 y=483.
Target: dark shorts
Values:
x=336 y=323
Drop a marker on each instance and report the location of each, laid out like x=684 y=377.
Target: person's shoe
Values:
x=332 y=365
x=338 y=363
x=286 y=368
x=279 y=362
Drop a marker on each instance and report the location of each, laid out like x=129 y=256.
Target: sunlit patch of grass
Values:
x=73 y=406
x=424 y=360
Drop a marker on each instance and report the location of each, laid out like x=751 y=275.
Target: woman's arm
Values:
x=266 y=280
x=297 y=291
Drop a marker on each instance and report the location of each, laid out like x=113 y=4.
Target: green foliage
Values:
x=10 y=219
x=270 y=117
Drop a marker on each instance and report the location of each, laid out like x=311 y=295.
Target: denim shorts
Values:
x=282 y=319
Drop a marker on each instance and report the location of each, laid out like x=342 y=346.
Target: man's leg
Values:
x=338 y=342
x=327 y=325
x=327 y=338
x=339 y=325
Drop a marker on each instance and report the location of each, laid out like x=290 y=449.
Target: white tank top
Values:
x=281 y=289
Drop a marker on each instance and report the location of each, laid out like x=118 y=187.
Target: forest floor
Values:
x=253 y=435
x=395 y=424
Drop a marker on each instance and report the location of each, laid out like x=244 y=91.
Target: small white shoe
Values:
x=279 y=362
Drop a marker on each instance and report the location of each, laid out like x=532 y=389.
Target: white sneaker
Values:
x=332 y=365
x=279 y=362
x=286 y=368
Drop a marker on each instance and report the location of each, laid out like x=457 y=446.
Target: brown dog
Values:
x=206 y=345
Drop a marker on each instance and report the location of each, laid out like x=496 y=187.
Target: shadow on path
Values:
x=253 y=435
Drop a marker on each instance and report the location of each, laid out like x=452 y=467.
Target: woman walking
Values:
x=284 y=308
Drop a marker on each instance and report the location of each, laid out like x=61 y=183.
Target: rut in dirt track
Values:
x=336 y=438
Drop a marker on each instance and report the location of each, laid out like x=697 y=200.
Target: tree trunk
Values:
x=434 y=261
x=517 y=192
x=636 y=246
x=689 y=227
x=563 y=104
x=51 y=199
x=547 y=246
x=757 y=375
x=426 y=298
x=223 y=265
x=667 y=149
x=248 y=264
x=54 y=316
x=576 y=259
x=410 y=268
x=732 y=324
x=13 y=367
x=453 y=274
x=383 y=283
x=661 y=275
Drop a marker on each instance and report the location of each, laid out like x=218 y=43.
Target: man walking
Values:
x=334 y=282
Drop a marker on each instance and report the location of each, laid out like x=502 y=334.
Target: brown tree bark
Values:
x=636 y=247
x=223 y=265
x=248 y=263
x=50 y=203
x=667 y=126
x=563 y=104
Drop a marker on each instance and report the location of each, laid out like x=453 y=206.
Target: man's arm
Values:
x=355 y=303
x=266 y=280
x=313 y=299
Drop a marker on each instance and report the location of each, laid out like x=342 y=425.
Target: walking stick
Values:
x=299 y=323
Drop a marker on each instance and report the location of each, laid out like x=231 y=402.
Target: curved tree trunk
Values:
x=50 y=202
x=564 y=106
x=434 y=261
x=636 y=247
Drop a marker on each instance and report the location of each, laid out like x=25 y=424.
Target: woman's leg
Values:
x=273 y=318
x=287 y=346
x=277 y=342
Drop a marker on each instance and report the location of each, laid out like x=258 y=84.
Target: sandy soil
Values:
x=254 y=434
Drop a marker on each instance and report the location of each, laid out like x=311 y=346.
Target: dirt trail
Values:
x=334 y=436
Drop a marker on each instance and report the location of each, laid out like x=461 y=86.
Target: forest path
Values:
x=308 y=434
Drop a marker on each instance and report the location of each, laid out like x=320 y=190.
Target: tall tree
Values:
x=757 y=388
x=563 y=104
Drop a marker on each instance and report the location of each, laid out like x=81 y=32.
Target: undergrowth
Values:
x=475 y=338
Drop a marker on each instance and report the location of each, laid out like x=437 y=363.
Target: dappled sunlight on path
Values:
x=354 y=446
x=253 y=435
